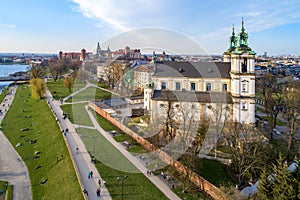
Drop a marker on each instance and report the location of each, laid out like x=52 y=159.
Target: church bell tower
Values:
x=242 y=73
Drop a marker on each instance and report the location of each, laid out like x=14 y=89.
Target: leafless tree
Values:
x=291 y=111
x=249 y=153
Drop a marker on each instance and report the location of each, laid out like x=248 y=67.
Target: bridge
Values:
x=14 y=78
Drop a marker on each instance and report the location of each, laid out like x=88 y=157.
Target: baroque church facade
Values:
x=206 y=89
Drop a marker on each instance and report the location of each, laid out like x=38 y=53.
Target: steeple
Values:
x=232 y=41
x=108 y=49
x=243 y=38
x=98 y=51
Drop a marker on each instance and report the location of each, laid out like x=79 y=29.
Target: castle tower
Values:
x=98 y=51
x=242 y=78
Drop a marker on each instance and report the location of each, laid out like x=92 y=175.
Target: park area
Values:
x=30 y=123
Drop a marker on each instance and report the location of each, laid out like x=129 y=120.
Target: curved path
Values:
x=12 y=167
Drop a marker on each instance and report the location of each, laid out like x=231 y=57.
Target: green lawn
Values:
x=58 y=90
x=3 y=187
x=77 y=114
x=106 y=125
x=111 y=164
x=213 y=171
x=62 y=181
x=91 y=93
x=9 y=191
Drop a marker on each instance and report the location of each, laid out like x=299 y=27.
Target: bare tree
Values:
x=248 y=151
x=291 y=111
x=36 y=72
x=272 y=98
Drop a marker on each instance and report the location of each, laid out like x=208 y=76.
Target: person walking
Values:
x=99 y=182
x=91 y=174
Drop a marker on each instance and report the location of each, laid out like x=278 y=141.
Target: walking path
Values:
x=12 y=167
x=80 y=157
x=162 y=186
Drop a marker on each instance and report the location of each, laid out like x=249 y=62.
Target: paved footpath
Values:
x=12 y=167
x=162 y=186
x=81 y=158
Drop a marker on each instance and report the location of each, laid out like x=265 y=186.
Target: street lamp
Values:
x=121 y=180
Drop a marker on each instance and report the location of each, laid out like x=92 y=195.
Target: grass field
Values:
x=213 y=171
x=77 y=114
x=91 y=93
x=62 y=181
x=2 y=187
x=110 y=162
x=58 y=90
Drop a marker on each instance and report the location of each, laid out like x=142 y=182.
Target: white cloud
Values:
x=8 y=25
x=123 y=15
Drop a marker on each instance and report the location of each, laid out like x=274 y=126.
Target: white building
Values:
x=205 y=86
x=142 y=75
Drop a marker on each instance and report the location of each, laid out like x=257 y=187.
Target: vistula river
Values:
x=6 y=70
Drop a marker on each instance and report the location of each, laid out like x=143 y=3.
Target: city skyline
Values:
x=70 y=25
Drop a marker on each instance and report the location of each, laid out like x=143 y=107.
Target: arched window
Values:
x=208 y=86
x=163 y=85
x=244 y=65
x=224 y=87
x=193 y=86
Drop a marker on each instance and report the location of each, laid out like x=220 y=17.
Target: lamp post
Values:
x=121 y=180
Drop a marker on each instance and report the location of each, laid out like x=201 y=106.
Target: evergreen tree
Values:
x=265 y=186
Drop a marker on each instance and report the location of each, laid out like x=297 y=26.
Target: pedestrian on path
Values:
x=99 y=182
x=85 y=192
x=98 y=192
x=91 y=174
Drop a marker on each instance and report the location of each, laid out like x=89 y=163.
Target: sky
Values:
x=50 y=26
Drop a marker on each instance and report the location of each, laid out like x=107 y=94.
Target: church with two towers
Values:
x=204 y=87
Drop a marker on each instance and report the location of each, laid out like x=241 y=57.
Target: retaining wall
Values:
x=203 y=184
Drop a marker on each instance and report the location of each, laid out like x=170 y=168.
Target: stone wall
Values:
x=203 y=184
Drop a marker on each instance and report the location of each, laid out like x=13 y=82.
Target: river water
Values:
x=5 y=70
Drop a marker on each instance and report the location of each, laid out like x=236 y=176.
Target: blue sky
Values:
x=48 y=26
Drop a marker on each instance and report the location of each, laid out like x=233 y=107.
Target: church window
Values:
x=244 y=106
x=244 y=65
x=163 y=85
x=193 y=86
x=224 y=87
x=177 y=84
x=244 y=87
x=208 y=87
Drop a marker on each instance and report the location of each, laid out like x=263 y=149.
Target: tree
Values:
x=248 y=153
x=56 y=68
x=272 y=97
x=291 y=111
x=265 y=186
x=68 y=82
x=280 y=184
x=36 y=72
x=201 y=133
x=37 y=87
